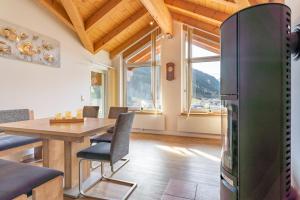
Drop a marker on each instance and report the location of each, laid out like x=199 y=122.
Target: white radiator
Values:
x=149 y=122
x=199 y=124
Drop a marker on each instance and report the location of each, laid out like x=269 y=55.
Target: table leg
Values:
x=71 y=162
x=53 y=154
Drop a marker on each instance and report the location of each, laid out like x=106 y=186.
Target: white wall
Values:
x=295 y=6
x=171 y=97
x=44 y=89
x=171 y=90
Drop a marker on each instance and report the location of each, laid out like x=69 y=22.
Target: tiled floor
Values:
x=181 y=189
x=169 y=168
x=184 y=190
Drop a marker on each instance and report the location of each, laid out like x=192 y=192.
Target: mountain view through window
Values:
x=205 y=80
x=206 y=85
x=139 y=88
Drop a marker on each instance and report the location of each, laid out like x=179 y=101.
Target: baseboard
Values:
x=177 y=133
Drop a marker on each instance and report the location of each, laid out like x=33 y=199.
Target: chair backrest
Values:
x=7 y=116
x=120 y=141
x=114 y=112
x=90 y=111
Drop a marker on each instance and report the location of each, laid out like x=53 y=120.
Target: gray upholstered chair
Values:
x=114 y=112
x=110 y=152
x=13 y=142
x=90 y=111
x=18 y=179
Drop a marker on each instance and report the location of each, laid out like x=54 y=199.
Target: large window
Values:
x=201 y=74
x=142 y=74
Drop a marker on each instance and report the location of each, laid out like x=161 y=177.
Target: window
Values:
x=142 y=74
x=201 y=74
x=97 y=90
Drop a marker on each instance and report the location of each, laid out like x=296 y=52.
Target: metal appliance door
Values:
x=227 y=191
x=229 y=132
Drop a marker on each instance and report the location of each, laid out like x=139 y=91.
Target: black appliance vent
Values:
x=287 y=107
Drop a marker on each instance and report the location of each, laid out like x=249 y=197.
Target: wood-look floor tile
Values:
x=207 y=192
x=155 y=159
x=182 y=189
x=169 y=197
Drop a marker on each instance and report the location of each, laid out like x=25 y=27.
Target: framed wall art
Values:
x=20 y=43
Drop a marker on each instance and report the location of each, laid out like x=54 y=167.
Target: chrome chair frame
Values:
x=105 y=178
x=97 y=166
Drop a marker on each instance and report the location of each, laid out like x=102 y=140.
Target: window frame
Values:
x=188 y=60
x=155 y=78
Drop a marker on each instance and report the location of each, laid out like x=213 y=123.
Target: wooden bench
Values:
x=18 y=181
x=10 y=144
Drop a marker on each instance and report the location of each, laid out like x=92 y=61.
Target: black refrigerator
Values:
x=256 y=104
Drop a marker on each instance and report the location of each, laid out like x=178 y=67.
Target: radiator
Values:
x=149 y=122
x=199 y=124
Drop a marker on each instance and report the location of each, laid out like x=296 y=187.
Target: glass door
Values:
x=97 y=91
x=229 y=131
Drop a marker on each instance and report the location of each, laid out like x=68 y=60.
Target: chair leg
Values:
x=104 y=178
x=80 y=185
x=125 y=161
x=91 y=163
x=93 y=168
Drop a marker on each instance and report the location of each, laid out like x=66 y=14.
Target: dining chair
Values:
x=114 y=113
x=111 y=153
x=90 y=111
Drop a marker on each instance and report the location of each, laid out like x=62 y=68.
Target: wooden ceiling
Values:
x=115 y=25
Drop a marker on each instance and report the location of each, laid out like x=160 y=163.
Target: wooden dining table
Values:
x=61 y=142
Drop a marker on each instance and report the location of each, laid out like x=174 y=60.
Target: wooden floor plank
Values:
x=156 y=159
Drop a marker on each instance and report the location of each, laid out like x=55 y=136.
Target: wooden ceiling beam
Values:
x=92 y=21
x=144 y=59
x=209 y=43
x=229 y=4
x=78 y=24
x=259 y=1
x=205 y=27
x=244 y=3
x=144 y=55
x=206 y=46
x=136 y=37
x=204 y=35
x=117 y=30
x=277 y=1
x=57 y=10
x=198 y=9
x=137 y=46
x=160 y=13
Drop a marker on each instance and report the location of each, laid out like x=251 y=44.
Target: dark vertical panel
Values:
x=260 y=93
x=229 y=57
